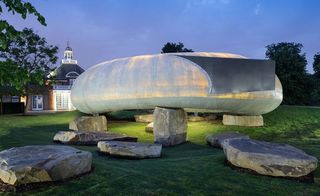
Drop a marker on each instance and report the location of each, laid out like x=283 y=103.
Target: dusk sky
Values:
x=103 y=30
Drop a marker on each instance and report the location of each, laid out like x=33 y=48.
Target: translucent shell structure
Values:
x=172 y=80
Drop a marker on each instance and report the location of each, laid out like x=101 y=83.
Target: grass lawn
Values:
x=191 y=168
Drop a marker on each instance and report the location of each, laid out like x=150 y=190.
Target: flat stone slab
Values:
x=89 y=123
x=216 y=140
x=90 y=138
x=267 y=158
x=246 y=121
x=130 y=149
x=145 y=118
x=149 y=128
x=34 y=164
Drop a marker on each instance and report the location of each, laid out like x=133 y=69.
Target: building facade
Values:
x=56 y=95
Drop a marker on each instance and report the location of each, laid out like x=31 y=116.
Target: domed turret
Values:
x=68 y=48
x=68 y=56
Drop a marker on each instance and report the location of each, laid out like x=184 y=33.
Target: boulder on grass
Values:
x=246 y=121
x=192 y=118
x=89 y=138
x=130 y=149
x=169 y=126
x=216 y=140
x=267 y=158
x=89 y=123
x=32 y=164
x=144 y=118
x=149 y=128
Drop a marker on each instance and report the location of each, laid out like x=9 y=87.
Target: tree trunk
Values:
x=27 y=100
x=26 y=105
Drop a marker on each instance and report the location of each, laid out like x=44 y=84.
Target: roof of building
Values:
x=66 y=71
x=69 y=48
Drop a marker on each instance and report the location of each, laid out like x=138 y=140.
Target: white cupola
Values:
x=68 y=56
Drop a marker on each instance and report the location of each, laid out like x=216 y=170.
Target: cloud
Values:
x=257 y=9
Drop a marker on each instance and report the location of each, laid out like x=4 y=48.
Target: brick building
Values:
x=56 y=95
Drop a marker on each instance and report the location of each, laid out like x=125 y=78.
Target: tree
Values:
x=10 y=73
x=316 y=64
x=315 y=94
x=174 y=48
x=7 y=31
x=31 y=53
x=29 y=58
x=291 y=70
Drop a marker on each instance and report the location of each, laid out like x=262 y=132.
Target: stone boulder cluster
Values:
x=265 y=158
x=29 y=165
x=92 y=131
x=50 y=163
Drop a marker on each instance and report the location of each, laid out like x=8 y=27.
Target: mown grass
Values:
x=191 y=168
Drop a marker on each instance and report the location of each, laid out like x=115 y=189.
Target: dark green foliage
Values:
x=14 y=72
x=7 y=31
x=174 y=48
x=316 y=64
x=26 y=60
x=9 y=74
x=291 y=70
x=188 y=169
x=315 y=94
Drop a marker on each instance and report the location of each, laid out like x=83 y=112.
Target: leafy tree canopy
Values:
x=174 y=48
x=291 y=70
x=16 y=72
x=7 y=31
x=30 y=58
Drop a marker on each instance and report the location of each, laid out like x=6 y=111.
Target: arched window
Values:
x=72 y=74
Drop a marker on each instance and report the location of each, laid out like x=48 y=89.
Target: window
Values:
x=15 y=99
x=37 y=102
x=72 y=74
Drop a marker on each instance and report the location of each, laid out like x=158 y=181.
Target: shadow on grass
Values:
x=33 y=135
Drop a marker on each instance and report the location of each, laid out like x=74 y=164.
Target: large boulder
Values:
x=267 y=158
x=192 y=118
x=89 y=123
x=246 y=121
x=145 y=118
x=130 y=149
x=32 y=164
x=89 y=138
x=216 y=140
x=149 y=127
x=169 y=126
